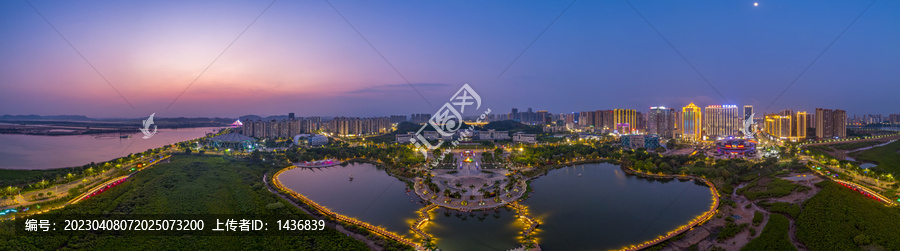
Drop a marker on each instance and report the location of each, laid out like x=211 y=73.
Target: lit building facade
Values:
x=787 y=125
x=721 y=121
x=801 y=122
x=352 y=126
x=692 y=122
x=621 y=117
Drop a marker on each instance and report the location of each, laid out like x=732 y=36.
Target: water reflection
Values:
x=585 y=207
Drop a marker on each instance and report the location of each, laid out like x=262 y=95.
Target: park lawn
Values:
x=886 y=156
x=838 y=218
x=187 y=185
x=774 y=236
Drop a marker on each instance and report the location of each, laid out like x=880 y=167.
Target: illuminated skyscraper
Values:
x=800 y=124
x=787 y=125
x=692 y=127
x=625 y=120
x=721 y=121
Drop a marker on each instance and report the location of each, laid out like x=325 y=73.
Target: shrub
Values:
x=757 y=218
x=773 y=237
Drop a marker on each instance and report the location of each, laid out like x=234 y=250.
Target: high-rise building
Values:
x=840 y=123
x=824 y=123
x=662 y=121
x=748 y=110
x=419 y=118
x=894 y=119
x=608 y=119
x=801 y=122
x=692 y=126
x=625 y=120
x=721 y=121
x=831 y=123
x=585 y=119
x=398 y=118
x=571 y=118
x=542 y=117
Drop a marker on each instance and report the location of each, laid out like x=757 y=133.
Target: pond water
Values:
x=584 y=207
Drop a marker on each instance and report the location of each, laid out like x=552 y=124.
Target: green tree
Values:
x=256 y=156
x=665 y=166
x=671 y=144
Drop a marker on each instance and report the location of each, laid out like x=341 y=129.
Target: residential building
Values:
x=831 y=123
x=663 y=122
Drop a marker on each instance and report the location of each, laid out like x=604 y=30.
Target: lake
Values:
x=583 y=207
x=19 y=151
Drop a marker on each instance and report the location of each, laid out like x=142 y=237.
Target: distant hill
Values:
x=257 y=117
x=50 y=117
x=249 y=117
x=513 y=126
x=83 y=121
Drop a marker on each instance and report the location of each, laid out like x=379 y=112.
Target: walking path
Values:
x=371 y=244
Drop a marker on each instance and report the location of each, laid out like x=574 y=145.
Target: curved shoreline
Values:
x=703 y=218
x=422 y=221
x=325 y=211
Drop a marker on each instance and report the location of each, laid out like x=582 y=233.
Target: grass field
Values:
x=886 y=156
x=187 y=185
x=838 y=218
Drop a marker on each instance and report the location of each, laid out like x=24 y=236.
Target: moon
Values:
x=755 y=4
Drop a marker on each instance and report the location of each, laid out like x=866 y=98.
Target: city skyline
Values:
x=309 y=59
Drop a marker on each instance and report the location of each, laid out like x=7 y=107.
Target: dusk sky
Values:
x=302 y=57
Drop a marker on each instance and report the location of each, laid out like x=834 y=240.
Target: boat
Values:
x=351 y=177
x=124 y=136
x=579 y=175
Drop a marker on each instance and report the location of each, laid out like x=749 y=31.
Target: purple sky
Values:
x=303 y=57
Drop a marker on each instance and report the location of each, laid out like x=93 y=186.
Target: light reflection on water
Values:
x=603 y=208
